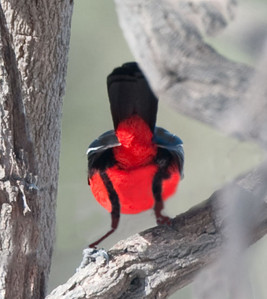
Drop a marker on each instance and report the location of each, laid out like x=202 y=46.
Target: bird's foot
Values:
x=164 y=220
x=90 y=255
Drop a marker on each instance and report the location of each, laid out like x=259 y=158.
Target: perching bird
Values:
x=136 y=166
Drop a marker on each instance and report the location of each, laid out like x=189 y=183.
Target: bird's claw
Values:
x=161 y=220
x=90 y=255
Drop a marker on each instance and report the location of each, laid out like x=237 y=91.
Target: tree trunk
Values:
x=34 y=43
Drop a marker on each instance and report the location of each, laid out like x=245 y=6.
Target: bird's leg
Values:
x=161 y=219
x=163 y=161
x=114 y=224
x=157 y=192
x=90 y=254
x=115 y=213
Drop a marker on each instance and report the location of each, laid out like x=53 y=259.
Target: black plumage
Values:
x=129 y=94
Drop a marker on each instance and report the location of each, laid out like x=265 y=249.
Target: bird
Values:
x=136 y=166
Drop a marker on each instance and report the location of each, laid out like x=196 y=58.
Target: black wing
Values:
x=99 y=147
x=164 y=139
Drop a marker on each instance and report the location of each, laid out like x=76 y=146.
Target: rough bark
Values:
x=161 y=260
x=166 y=40
x=34 y=42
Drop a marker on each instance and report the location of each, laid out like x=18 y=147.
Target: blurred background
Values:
x=212 y=159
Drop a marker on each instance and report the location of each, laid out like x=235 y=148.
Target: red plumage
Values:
x=133 y=174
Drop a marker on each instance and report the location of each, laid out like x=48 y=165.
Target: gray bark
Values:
x=166 y=38
x=34 y=42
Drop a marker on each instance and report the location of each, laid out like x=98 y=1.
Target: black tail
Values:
x=129 y=94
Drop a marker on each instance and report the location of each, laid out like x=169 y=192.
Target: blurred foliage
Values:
x=97 y=46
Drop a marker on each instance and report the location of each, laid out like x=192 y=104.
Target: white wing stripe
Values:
x=93 y=149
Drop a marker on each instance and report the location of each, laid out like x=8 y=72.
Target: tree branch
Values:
x=161 y=260
x=166 y=40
